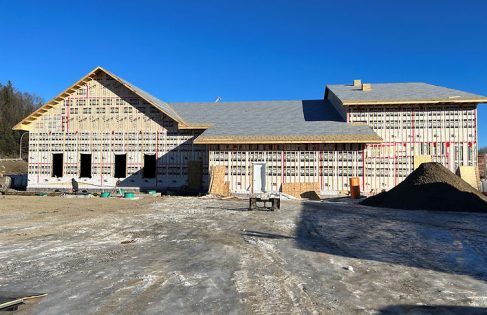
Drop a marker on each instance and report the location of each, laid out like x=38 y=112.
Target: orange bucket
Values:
x=355 y=187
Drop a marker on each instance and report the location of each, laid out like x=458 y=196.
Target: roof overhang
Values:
x=344 y=138
x=25 y=124
x=412 y=102
x=194 y=126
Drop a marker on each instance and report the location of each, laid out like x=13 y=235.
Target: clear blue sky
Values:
x=245 y=50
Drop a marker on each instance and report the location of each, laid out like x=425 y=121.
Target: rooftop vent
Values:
x=357 y=83
x=366 y=87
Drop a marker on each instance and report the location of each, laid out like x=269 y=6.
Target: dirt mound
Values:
x=431 y=187
x=13 y=167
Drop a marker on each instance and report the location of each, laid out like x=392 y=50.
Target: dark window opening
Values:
x=120 y=165
x=85 y=166
x=57 y=165
x=149 y=165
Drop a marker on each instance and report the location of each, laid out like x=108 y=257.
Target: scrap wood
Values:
x=13 y=299
x=10 y=303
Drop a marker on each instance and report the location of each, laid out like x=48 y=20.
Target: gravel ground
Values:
x=180 y=255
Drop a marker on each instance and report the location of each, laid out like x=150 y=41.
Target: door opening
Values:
x=85 y=165
x=149 y=166
x=120 y=166
x=57 y=165
x=258 y=178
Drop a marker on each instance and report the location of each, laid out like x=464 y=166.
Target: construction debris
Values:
x=10 y=301
x=431 y=187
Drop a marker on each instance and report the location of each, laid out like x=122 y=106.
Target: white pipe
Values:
x=20 y=149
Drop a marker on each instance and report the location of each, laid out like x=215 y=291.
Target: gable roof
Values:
x=402 y=93
x=311 y=121
x=161 y=105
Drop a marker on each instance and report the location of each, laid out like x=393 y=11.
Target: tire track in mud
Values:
x=134 y=293
x=265 y=286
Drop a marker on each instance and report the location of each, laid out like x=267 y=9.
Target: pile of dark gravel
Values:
x=431 y=187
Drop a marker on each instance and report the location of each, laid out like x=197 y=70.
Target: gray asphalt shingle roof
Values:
x=401 y=92
x=303 y=119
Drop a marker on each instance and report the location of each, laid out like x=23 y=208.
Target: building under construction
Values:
x=106 y=133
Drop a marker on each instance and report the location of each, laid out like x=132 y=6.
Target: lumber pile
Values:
x=309 y=190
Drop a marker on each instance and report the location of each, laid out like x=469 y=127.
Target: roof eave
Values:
x=194 y=126
x=52 y=102
x=408 y=102
x=21 y=126
x=288 y=140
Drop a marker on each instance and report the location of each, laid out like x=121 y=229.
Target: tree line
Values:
x=14 y=106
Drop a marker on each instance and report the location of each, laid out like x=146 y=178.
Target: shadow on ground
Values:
x=442 y=241
x=432 y=309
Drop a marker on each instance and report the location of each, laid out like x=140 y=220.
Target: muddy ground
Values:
x=180 y=255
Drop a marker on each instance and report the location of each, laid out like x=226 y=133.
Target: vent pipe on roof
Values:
x=357 y=83
x=366 y=87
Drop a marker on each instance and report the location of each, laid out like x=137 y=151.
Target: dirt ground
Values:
x=179 y=255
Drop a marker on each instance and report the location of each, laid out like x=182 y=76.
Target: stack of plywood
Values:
x=470 y=175
x=420 y=159
x=218 y=186
x=302 y=190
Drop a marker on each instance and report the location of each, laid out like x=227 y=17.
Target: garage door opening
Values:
x=149 y=166
x=57 y=165
x=120 y=165
x=85 y=166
